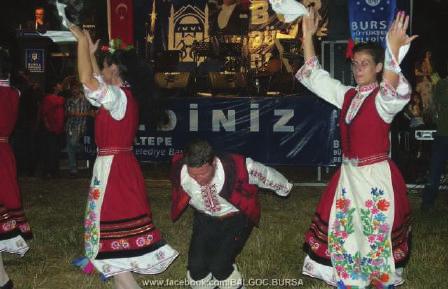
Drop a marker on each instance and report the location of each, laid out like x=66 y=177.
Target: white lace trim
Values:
x=16 y=245
x=328 y=274
x=151 y=263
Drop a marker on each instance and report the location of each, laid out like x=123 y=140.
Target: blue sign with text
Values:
x=370 y=19
x=35 y=60
x=290 y=130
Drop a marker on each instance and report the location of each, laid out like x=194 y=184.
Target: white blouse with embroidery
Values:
x=7 y=83
x=207 y=199
x=110 y=97
x=388 y=101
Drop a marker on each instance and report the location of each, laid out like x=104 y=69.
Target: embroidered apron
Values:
x=360 y=225
x=98 y=185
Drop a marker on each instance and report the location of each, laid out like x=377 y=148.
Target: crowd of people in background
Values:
x=421 y=113
x=52 y=120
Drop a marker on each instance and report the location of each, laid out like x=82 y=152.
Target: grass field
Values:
x=273 y=253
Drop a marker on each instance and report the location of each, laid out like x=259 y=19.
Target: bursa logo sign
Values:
x=373 y=3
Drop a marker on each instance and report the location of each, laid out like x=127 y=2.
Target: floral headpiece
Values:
x=349 y=49
x=115 y=44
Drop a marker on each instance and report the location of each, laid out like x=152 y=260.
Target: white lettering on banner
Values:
x=153 y=141
x=218 y=118
x=172 y=121
x=370 y=39
x=172 y=151
x=369 y=25
x=369 y=31
x=228 y=122
x=150 y=152
x=254 y=117
x=194 y=119
x=286 y=115
x=337 y=151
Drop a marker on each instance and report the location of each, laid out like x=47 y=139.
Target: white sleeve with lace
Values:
x=319 y=81
x=389 y=101
x=110 y=97
x=267 y=177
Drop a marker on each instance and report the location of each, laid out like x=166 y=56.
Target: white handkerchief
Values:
x=61 y=11
x=290 y=9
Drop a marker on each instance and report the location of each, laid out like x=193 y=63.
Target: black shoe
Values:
x=8 y=285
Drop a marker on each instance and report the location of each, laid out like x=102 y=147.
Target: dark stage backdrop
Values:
x=253 y=28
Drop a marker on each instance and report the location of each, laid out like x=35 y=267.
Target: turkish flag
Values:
x=121 y=20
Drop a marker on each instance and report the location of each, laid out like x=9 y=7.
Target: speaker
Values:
x=333 y=60
x=172 y=80
x=226 y=81
x=167 y=61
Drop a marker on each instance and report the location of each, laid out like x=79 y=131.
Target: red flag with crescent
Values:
x=121 y=20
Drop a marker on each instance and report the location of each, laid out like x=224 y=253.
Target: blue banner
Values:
x=370 y=19
x=35 y=60
x=291 y=130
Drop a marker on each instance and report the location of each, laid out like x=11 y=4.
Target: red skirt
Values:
x=126 y=228
x=13 y=222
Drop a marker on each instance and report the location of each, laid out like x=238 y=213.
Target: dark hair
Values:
x=141 y=79
x=372 y=48
x=52 y=83
x=197 y=153
x=5 y=63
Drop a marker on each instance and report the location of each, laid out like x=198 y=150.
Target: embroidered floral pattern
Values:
x=210 y=198
x=160 y=255
x=106 y=268
x=268 y=182
x=121 y=244
x=9 y=225
x=313 y=244
x=306 y=70
x=361 y=94
x=390 y=63
x=374 y=266
x=388 y=91
x=25 y=227
x=144 y=241
x=20 y=243
x=91 y=230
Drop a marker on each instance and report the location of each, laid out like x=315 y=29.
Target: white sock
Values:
x=3 y=275
x=125 y=281
x=205 y=283
x=234 y=281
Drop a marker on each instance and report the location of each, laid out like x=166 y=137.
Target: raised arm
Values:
x=85 y=68
x=309 y=28
x=395 y=90
x=311 y=74
x=396 y=39
x=93 y=47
